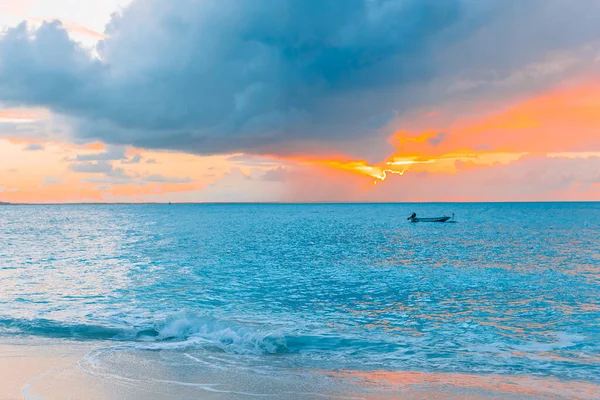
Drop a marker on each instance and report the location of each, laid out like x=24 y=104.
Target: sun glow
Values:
x=379 y=172
x=396 y=161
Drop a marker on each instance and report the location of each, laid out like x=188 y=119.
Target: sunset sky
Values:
x=299 y=100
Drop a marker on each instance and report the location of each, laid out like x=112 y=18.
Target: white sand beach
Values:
x=51 y=371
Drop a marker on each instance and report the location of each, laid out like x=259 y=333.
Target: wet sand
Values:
x=21 y=364
x=52 y=370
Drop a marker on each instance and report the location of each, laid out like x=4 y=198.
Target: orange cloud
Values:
x=562 y=123
x=563 y=119
x=559 y=120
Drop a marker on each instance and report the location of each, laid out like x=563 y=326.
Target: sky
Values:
x=299 y=100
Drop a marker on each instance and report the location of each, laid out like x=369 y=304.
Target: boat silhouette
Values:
x=414 y=218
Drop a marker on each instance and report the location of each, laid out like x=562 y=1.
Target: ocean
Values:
x=307 y=301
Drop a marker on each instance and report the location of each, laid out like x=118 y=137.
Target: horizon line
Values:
x=299 y=203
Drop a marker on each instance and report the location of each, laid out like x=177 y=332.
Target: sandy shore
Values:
x=49 y=370
x=22 y=363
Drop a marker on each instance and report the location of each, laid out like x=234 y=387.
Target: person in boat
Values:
x=412 y=216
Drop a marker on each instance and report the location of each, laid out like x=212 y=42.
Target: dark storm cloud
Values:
x=280 y=77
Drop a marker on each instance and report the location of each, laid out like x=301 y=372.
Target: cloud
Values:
x=235 y=186
x=562 y=119
x=8 y=189
x=118 y=176
x=91 y=167
x=52 y=180
x=34 y=147
x=252 y=161
x=437 y=139
x=115 y=176
x=529 y=178
x=151 y=161
x=111 y=154
x=293 y=76
x=165 y=179
x=276 y=175
x=134 y=160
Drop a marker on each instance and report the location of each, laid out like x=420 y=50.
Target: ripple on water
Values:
x=510 y=289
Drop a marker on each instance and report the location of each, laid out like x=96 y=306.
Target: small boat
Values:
x=413 y=218
x=434 y=219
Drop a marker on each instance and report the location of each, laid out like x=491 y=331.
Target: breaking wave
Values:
x=180 y=330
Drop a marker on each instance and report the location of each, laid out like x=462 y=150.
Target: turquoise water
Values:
x=509 y=289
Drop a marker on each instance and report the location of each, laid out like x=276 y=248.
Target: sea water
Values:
x=282 y=300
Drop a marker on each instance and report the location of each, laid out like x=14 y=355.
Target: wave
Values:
x=57 y=329
x=179 y=330
x=206 y=331
x=184 y=330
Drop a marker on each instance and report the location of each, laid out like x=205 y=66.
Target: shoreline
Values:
x=22 y=362
x=48 y=369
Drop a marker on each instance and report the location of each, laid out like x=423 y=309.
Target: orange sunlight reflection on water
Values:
x=397 y=382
